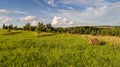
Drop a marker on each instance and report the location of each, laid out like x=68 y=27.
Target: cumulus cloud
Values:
x=33 y=20
x=93 y=12
x=28 y=19
x=5 y=19
x=61 y=22
x=5 y=11
x=89 y=11
x=34 y=23
x=104 y=15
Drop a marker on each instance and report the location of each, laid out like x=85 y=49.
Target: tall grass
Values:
x=59 y=50
x=110 y=40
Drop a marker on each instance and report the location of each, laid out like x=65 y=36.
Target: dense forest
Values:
x=93 y=30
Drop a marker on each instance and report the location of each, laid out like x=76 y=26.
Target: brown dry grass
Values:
x=42 y=34
x=110 y=40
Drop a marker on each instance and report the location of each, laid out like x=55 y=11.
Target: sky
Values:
x=60 y=13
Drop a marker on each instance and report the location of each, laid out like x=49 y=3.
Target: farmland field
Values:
x=23 y=49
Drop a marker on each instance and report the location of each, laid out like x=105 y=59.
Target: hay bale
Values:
x=94 y=41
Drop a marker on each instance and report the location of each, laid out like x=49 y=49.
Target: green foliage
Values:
x=15 y=28
x=60 y=50
x=49 y=28
x=27 y=26
x=9 y=27
x=4 y=27
x=102 y=43
x=93 y=30
x=9 y=31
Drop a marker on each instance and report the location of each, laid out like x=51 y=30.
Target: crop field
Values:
x=24 y=49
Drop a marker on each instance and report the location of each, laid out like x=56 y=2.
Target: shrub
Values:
x=9 y=31
x=102 y=43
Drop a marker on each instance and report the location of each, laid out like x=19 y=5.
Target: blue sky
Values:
x=63 y=13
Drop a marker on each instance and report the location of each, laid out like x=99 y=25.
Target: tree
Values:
x=10 y=26
x=4 y=27
x=27 y=26
x=40 y=27
x=48 y=27
x=15 y=28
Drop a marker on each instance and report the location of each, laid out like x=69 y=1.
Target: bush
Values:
x=9 y=31
x=102 y=43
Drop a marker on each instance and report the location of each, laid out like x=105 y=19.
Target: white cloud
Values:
x=96 y=12
x=33 y=20
x=104 y=15
x=37 y=2
x=101 y=11
x=51 y=2
x=28 y=19
x=5 y=11
x=61 y=22
x=70 y=8
x=85 y=2
x=91 y=12
x=19 y=12
x=5 y=19
x=88 y=11
x=34 y=23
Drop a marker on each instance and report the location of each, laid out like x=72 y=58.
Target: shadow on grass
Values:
x=44 y=34
x=49 y=34
x=102 y=43
x=11 y=33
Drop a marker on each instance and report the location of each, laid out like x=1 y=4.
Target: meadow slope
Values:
x=23 y=49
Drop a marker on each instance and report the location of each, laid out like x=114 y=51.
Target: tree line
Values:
x=93 y=30
x=9 y=26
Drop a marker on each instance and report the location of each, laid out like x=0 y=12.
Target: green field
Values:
x=23 y=49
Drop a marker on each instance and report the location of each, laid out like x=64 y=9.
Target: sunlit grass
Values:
x=110 y=40
x=56 y=50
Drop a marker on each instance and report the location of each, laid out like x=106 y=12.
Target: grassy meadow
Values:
x=24 y=49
